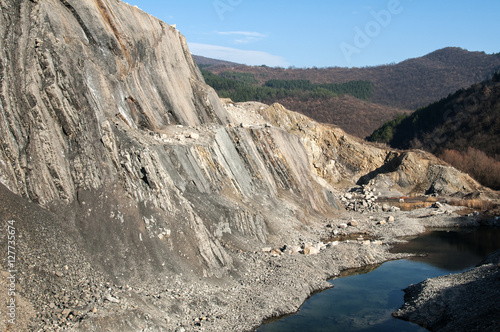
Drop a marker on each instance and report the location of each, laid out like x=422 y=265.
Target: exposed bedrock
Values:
x=106 y=123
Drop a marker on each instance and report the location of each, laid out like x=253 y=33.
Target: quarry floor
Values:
x=268 y=282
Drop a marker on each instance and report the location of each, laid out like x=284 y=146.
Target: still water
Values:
x=364 y=300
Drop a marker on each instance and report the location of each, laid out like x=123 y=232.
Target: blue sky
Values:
x=348 y=33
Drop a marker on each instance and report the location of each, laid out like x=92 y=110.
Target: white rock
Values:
x=437 y=205
x=275 y=252
x=320 y=246
x=295 y=250
x=310 y=250
x=110 y=298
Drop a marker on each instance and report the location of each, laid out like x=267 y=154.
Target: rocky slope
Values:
x=138 y=197
x=445 y=303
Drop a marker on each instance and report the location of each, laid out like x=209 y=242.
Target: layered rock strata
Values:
x=134 y=164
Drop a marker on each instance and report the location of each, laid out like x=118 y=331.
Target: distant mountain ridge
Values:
x=204 y=61
x=410 y=84
x=402 y=87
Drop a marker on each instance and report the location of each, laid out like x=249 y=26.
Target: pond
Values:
x=364 y=299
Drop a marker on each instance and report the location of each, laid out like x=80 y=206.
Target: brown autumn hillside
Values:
x=398 y=88
x=410 y=84
x=339 y=111
x=463 y=129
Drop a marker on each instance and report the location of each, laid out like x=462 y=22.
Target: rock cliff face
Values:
x=107 y=125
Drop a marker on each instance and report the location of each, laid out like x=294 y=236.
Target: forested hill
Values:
x=342 y=104
x=410 y=84
x=463 y=129
x=467 y=118
x=359 y=100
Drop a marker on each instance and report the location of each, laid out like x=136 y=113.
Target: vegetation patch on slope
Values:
x=464 y=129
x=240 y=86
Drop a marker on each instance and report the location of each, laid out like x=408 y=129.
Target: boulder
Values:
x=275 y=252
x=110 y=298
x=66 y=312
x=294 y=250
x=194 y=135
x=437 y=205
x=310 y=250
x=320 y=246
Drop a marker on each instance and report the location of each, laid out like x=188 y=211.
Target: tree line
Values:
x=241 y=87
x=463 y=129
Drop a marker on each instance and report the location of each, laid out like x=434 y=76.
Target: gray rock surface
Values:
x=131 y=181
x=461 y=302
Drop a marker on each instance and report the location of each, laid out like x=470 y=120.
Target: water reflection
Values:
x=453 y=250
x=363 y=300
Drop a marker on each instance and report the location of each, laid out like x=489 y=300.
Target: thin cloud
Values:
x=242 y=33
x=245 y=36
x=251 y=58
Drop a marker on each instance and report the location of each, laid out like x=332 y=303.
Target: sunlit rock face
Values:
x=106 y=121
